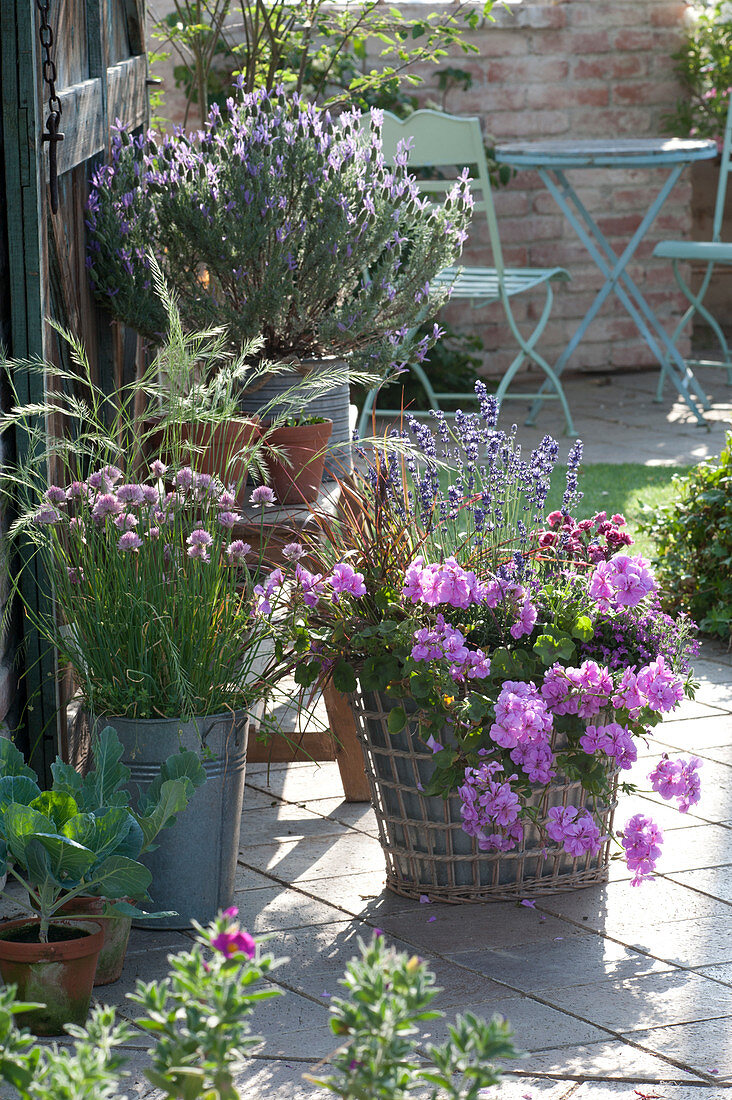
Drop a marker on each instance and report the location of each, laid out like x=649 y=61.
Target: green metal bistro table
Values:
x=552 y=160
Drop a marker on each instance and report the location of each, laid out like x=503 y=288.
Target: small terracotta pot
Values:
x=116 y=936
x=58 y=975
x=305 y=447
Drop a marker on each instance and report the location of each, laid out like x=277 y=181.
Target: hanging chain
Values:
x=52 y=133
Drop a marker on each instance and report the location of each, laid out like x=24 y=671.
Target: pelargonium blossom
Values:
x=641 y=839
x=679 y=780
x=490 y=808
x=576 y=831
x=621 y=582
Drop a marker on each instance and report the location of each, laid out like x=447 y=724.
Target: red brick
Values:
x=608 y=15
x=567 y=95
x=667 y=16
x=645 y=92
x=634 y=40
x=529 y=124
x=617 y=68
x=500 y=42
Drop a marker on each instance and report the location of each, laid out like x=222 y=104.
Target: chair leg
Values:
x=369 y=404
x=528 y=350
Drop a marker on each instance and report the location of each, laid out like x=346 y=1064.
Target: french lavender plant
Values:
x=524 y=649
x=199 y=1021
x=277 y=220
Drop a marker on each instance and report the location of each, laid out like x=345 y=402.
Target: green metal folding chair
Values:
x=450 y=143
x=711 y=253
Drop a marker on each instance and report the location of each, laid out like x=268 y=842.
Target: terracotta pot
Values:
x=218 y=444
x=305 y=447
x=58 y=975
x=116 y=936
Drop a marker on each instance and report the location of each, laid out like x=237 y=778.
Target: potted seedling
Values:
x=63 y=847
x=295 y=454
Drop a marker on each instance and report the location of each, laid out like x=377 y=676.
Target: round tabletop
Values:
x=604 y=153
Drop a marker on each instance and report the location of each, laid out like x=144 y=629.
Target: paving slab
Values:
x=704 y=1046
x=633 y=1004
x=606 y=1059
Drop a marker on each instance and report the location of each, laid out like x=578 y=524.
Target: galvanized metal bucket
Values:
x=334 y=405
x=194 y=864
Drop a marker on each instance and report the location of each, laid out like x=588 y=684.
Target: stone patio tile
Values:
x=704 y=1046
x=299 y=782
x=654 y=1000
x=685 y=850
x=279 y=1080
x=518 y=1088
x=686 y=711
x=360 y=894
x=612 y=1091
x=705 y=732
x=262 y=911
x=357 y=815
x=702 y=941
x=248 y=878
x=612 y=1058
x=478 y=928
x=720 y=973
x=535 y=1026
x=665 y=814
x=618 y=905
x=284 y=823
x=316 y=857
x=722 y=754
x=255 y=800
x=287 y=1012
x=714 y=881
x=566 y=961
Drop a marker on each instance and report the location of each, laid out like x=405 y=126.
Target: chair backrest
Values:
x=449 y=142
x=724 y=170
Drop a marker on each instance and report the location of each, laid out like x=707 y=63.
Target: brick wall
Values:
x=577 y=68
x=560 y=69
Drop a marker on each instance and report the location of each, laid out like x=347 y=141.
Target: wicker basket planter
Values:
x=427 y=851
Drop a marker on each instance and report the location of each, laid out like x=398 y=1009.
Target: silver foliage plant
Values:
x=276 y=220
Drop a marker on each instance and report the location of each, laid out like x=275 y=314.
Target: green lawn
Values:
x=623 y=488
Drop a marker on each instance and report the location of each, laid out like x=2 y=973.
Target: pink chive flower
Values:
x=105 y=479
x=234 y=942
x=345 y=579
x=226 y=500
x=47 y=514
x=131 y=494
x=54 y=494
x=199 y=543
x=641 y=839
x=183 y=479
x=125 y=521
x=677 y=779
x=158 y=468
x=106 y=505
x=76 y=490
x=75 y=575
x=262 y=495
x=150 y=495
x=129 y=541
x=228 y=519
x=293 y=551
x=237 y=551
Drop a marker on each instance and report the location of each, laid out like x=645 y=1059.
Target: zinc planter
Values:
x=334 y=405
x=194 y=863
x=424 y=845
x=58 y=974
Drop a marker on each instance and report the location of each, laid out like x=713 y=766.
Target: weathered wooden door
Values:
x=98 y=51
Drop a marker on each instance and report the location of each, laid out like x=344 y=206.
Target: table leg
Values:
x=590 y=233
x=619 y=272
